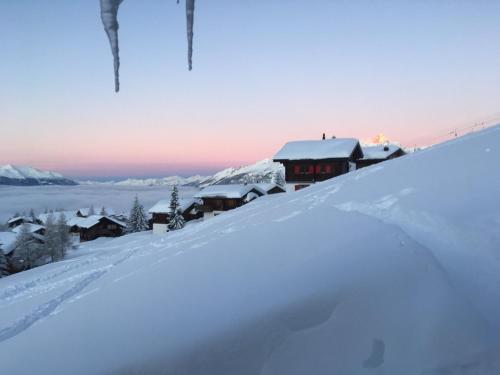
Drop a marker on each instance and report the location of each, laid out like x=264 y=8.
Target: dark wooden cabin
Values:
x=220 y=198
x=161 y=213
x=307 y=162
x=95 y=226
x=271 y=188
x=379 y=153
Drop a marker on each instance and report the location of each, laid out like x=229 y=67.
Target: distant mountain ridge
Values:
x=29 y=176
x=262 y=171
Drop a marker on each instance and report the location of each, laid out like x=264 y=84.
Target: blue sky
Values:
x=265 y=72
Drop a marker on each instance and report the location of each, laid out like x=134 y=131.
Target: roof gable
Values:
x=234 y=191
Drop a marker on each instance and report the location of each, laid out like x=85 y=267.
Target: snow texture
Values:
x=317 y=150
x=7 y=242
x=391 y=269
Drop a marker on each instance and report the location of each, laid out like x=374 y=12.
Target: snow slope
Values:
x=392 y=269
x=22 y=175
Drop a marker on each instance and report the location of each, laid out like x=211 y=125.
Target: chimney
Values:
x=324 y=136
x=386 y=148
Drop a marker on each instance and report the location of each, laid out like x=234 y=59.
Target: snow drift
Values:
x=392 y=269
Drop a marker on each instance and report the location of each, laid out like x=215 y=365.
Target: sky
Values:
x=265 y=72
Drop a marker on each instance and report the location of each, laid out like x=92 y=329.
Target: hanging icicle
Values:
x=109 y=17
x=190 y=24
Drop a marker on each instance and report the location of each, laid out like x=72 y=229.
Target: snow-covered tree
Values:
x=176 y=221
x=137 y=221
x=278 y=179
x=64 y=235
x=91 y=211
x=32 y=216
x=103 y=211
x=174 y=200
x=52 y=245
x=4 y=265
x=25 y=249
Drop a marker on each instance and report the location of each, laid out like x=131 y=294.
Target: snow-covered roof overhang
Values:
x=379 y=152
x=235 y=191
x=163 y=206
x=338 y=148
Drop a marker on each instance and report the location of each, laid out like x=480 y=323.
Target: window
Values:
x=303 y=169
x=324 y=169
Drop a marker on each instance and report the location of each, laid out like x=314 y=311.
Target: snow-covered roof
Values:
x=14 y=219
x=267 y=186
x=163 y=206
x=89 y=222
x=86 y=211
x=32 y=228
x=338 y=148
x=235 y=191
x=379 y=151
x=7 y=242
x=55 y=215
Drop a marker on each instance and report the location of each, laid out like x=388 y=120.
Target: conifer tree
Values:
x=25 y=252
x=32 y=216
x=278 y=179
x=52 y=245
x=91 y=211
x=64 y=236
x=4 y=266
x=176 y=219
x=137 y=221
x=103 y=211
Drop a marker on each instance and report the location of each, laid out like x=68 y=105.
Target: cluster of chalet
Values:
x=308 y=162
x=82 y=223
x=305 y=162
x=210 y=202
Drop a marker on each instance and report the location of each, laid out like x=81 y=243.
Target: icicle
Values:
x=109 y=17
x=190 y=22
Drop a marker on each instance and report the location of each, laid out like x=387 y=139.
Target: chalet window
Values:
x=304 y=169
x=323 y=169
x=112 y=226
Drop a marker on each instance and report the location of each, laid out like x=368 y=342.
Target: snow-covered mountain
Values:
x=27 y=176
x=392 y=269
x=261 y=171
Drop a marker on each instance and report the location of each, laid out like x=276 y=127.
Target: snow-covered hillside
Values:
x=393 y=269
x=19 y=175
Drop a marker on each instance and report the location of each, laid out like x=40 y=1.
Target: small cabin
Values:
x=161 y=213
x=32 y=229
x=220 y=198
x=96 y=226
x=16 y=221
x=379 y=153
x=308 y=162
x=271 y=188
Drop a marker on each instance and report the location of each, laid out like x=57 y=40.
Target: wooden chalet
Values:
x=95 y=226
x=307 y=162
x=161 y=213
x=379 y=153
x=32 y=228
x=16 y=221
x=220 y=198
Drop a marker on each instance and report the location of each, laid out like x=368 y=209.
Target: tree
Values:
x=174 y=200
x=176 y=219
x=137 y=221
x=91 y=211
x=32 y=216
x=103 y=211
x=4 y=265
x=64 y=235
x=52 y=244
x=24 y=249
x=278 y=179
